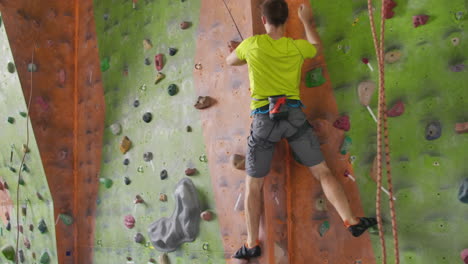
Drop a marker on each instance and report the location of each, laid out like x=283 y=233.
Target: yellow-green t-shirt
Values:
x=274 y=66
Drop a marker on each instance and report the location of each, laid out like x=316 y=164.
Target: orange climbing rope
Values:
x=382 y=130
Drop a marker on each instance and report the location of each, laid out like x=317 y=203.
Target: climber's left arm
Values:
x=233 y=60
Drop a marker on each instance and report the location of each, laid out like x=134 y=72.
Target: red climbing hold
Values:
x=389 y=6
x=343 y=123
x=159 y=62
x=62 y=76
x=397 y=110
x=129 y=221
x=420 y=20
x=138 y=200
x=42 y=103
x=232 y=45
x=185 y=25
x=190 y=171
x=464 y=255
x=461 y=128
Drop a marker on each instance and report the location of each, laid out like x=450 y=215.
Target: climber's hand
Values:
x=305 y=14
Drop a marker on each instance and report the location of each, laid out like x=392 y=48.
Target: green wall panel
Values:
x=121 y=31
x=426 y=174
x=12 y=137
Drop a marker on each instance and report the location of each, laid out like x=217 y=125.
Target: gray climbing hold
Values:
x=163 y=174
x=172 y=90
x=147 y=117
x=127 y=181
x=457 y=67
x=463 y=192
x=116 y=128
x=21 y=255
x=167 y=234
x=148 y=156
x=147 y=61
x=32 y=67
x=42 y=226
x=126 y=162
x=172 y=51
x=136 y=103
x=139 y=238
x=433 y=131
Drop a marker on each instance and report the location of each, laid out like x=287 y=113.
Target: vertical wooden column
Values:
x=89 y=128
x=337 y=245
x=67 y=110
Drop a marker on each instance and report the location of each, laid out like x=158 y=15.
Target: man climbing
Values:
x=275 y=64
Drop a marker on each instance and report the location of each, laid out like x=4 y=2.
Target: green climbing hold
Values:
x=11 y=120
x=324 y=227
x=42 y=226
x=11 y=67
x=315 y=78
x=347 y=142
x=105 y=65
x=21 y=181
x=9 y=252
x=45 y=258
x=66 y=219
x=203 y=158
x=172 y=90
x=12 y=169
x=106 y=182
x=23 y=114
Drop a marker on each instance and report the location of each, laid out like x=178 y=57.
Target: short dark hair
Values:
x=275 y=11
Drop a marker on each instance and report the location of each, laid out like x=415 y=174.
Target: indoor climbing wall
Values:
x=152 y=137
x=36 y=228
x=426 y=43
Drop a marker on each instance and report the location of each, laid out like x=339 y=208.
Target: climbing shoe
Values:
x=361 y=227
x=247 y=253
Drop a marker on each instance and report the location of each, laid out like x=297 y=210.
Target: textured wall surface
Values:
x=12 y=102
x=121 y=31
x=67 y=109
x=427 y=174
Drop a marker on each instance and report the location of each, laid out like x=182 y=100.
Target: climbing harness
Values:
x=233 y=20
x=382 y=130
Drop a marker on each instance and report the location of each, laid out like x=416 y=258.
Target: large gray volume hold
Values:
x=167 y=234
x=463 y=192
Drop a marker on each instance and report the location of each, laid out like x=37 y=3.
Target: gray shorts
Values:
x=265 y=133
